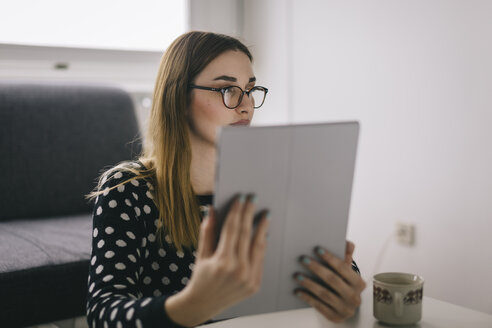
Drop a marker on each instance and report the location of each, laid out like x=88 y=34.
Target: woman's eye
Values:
x=232 y=90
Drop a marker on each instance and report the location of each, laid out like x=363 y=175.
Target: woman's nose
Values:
x=246 y=104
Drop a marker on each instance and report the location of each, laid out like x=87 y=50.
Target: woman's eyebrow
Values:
x=226 y=78
x=232 y=79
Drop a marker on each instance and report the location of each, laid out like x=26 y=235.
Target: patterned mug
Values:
x=397 y=298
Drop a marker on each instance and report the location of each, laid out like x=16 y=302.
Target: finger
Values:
x=324 y=309
x=258 y=246
x=246 y=227
x=259 y=258
x=348 y=293
x=349 y=251
x=230 y=234
x=341 y=268
x=258 y=270
x=328 y=297
x=206 y=240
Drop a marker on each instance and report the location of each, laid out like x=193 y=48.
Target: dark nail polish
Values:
x=241 y=198
x=305 y=259
x=253 y=199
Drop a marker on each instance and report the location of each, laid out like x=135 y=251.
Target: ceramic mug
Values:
x=397 y=297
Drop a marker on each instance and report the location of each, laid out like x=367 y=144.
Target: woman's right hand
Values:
x=224 y=274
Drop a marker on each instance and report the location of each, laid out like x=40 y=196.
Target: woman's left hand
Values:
x=339 y=303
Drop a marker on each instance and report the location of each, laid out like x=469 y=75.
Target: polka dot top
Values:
x=131 y=274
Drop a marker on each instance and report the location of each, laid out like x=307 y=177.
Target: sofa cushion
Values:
x=43 y=269
x=54 y=140
x=35 y=243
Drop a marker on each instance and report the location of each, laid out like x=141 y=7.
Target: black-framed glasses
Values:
x=233 y=95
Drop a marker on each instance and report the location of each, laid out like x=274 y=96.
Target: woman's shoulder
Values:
x=123 y=197
x=131 y=174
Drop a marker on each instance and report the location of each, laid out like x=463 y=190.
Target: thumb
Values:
x=349 y=251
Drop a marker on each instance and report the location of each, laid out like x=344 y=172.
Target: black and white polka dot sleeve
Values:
x=117 y=261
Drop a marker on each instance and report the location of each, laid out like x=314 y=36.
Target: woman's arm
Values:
x=114 y=296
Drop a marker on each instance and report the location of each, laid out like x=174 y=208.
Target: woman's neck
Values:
x=202 y=169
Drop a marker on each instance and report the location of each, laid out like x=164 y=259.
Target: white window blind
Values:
x=103 y=24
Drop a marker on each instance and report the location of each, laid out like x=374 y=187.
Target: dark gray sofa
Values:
x=55 y=138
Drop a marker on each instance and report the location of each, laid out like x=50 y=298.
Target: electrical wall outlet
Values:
x=405 y=233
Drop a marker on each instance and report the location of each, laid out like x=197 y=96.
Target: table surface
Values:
x=435 y=314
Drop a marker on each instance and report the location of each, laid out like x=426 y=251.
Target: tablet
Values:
x=303 y=175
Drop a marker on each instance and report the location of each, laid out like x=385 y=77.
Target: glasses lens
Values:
x=232 y=96
x=258 y=97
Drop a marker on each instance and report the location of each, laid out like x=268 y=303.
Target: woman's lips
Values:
x=241 y=122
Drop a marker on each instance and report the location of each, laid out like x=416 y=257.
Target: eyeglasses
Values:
x=233 y=95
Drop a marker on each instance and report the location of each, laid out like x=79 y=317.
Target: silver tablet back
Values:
x=303 y=174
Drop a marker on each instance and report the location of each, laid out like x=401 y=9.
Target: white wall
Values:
x=418 y=76
x=265 y=25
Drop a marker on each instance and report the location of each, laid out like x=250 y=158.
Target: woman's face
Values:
x=231 y=68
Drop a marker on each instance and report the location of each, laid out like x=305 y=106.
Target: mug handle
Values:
x=398 y=304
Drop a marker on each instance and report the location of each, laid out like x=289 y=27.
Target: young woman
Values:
x=155 y=261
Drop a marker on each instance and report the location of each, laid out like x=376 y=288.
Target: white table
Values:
x=435 y=314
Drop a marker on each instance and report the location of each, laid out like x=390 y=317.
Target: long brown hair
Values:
x=166 y=154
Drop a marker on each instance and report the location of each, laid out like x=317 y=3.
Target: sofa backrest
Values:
x=55 y=138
